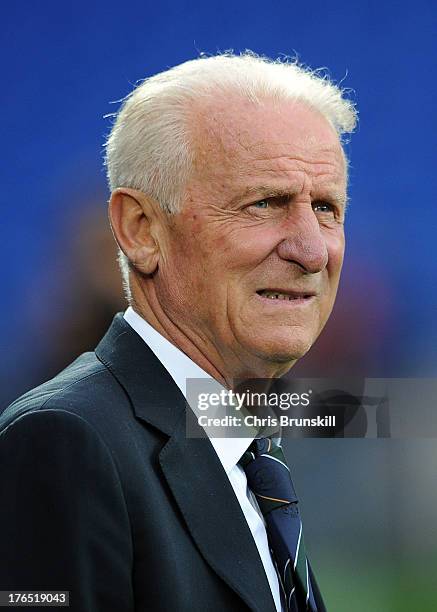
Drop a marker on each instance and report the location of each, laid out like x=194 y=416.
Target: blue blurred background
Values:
x=369 y=504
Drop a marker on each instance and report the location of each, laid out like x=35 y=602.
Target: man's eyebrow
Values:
x=268 y=191
x=337 y=197
x=263 y=191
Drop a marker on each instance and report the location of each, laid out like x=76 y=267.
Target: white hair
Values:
x=150 y=146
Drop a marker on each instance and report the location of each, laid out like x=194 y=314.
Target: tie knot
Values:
x=263 y=447
x=268 y=475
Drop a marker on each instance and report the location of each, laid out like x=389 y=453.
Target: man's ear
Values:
x=133 y=218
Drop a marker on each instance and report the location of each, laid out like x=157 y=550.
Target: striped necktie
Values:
x=269 y=478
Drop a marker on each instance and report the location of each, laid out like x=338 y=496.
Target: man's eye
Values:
x=261 y=204
x=323 y=207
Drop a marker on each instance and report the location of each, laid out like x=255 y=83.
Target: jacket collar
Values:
x=154 y=396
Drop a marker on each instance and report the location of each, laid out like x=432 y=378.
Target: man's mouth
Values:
x=285 y=294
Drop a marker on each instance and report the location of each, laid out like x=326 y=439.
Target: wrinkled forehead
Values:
x=233 y=135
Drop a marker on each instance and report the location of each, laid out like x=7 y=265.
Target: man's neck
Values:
x=226 y=370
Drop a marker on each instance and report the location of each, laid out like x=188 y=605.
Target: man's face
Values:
x=254 y=257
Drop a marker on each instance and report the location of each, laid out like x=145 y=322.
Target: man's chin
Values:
x=283 y=351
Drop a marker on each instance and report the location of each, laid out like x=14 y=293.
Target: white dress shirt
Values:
x=229 y=450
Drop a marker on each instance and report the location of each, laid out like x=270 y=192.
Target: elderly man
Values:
x=228 y=184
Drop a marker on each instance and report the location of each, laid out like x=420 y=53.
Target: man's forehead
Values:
x=243 y=131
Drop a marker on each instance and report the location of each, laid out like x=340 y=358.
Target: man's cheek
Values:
x=335 y=247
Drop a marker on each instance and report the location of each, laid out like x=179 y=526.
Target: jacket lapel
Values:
x=214 y=517
x=190 y=466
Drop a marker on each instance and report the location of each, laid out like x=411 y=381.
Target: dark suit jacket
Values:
x=102 y=494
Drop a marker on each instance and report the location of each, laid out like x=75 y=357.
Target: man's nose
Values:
x=305 y=244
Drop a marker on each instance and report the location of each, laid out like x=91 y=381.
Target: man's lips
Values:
x=290 y=295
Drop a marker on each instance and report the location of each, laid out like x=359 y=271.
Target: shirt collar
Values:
x=230 y=450
x=180 y=367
